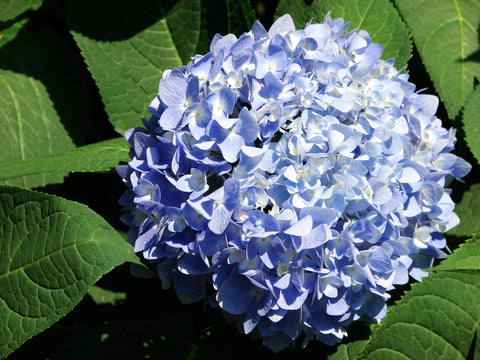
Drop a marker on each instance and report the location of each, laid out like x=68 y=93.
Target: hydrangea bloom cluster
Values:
x=292 y=177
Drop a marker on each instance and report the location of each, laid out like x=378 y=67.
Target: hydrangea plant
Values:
x=292 y=178
x=295 y=180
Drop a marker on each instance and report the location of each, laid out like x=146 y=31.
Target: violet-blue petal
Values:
x=236 y=298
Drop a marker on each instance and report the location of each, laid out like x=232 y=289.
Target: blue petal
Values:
x=171 y=117
x=301 y=227
x=246 y=126
x=221 y=217
x=172 y=91
x=342 y=138
x=147 y=238
x=338 y=306
x=235 y=297
x=231 y=147
x=291 y=299
x=189 y=288
x=281 y=26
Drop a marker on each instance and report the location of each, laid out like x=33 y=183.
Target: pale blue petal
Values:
x=221 y=217
x=171 y=117
x=172 y=91
x=301 y=227
x=231 y=147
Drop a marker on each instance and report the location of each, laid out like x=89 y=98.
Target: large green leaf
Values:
x=446 y=34
x=41 y=113
x=127 y=44
x=99 y=157
x=51 y=251
x=438 y=318
x=378 y=17
x=29 y=125
x=10 y=9
x=471 y=123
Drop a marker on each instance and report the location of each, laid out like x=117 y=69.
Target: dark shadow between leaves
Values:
x=114 y=20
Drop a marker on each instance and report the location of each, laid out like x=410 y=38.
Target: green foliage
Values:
x=439 y=317
x=127 y=44
x=102 y=156
x=29 y=124
x=446 y=34
x=10 y=9
x=471 y=123
x=378 y=17
x=51 y=251
x=40 y=112
x=466 y=257
x=154 y=36
x=28 y=119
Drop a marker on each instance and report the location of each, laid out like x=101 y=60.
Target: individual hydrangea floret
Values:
x=293 y=178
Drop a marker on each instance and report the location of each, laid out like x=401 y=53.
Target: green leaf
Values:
x=471 y=123
x=29 y=125
x=103 y=296
x=445 y=32
x=439 y=317
x=467 y=257
x=467 y=210
x=51 y=251
x=378 y=17
x=40 y=111
x=99 y=157
x=349 y=351
x=128 y=43
x=10 y=9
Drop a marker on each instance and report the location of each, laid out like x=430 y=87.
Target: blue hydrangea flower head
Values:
x=292 y=177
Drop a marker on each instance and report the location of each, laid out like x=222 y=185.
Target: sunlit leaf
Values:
x=41 y=112
x=127 y=44
x=446 y=34
x=99 y=157
x=10 y=9
x=51 y=251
